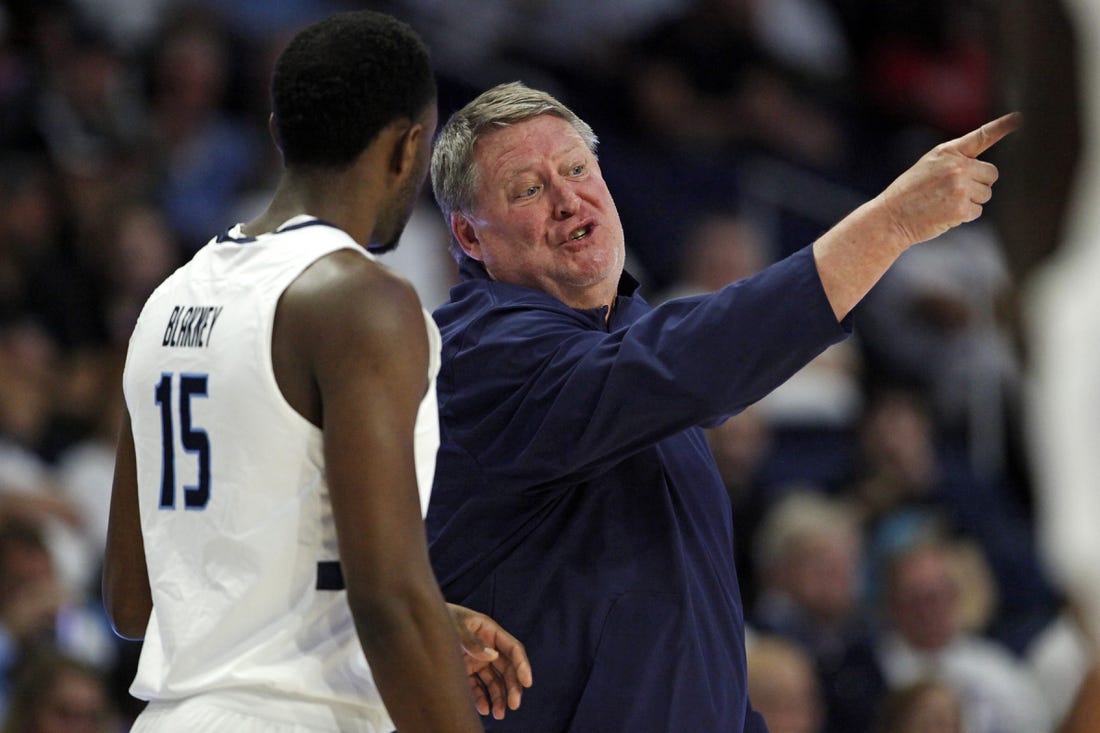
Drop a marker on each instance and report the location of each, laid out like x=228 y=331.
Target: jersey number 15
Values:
x=194 y=441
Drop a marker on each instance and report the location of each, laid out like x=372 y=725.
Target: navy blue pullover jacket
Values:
x=576 y=501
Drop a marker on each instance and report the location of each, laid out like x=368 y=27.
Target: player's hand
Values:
x=948 y=185
x=496 y=662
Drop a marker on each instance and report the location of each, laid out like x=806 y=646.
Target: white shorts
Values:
x=218 y=715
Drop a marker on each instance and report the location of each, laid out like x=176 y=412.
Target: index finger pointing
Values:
x=977 y=142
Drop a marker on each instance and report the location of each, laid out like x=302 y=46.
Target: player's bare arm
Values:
x=126 y=594
x=361 y=337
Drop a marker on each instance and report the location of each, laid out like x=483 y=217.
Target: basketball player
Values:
x=266 y=535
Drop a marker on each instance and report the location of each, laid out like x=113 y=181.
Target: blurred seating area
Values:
x=884 y=499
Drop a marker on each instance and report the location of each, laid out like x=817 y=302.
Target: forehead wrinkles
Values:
x=508 y=152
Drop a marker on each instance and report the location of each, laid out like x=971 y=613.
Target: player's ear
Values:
x=404 y=159
x=274 y=132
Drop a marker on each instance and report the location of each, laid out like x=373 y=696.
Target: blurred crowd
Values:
x=883 y=497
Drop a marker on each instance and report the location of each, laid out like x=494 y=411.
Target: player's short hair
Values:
x=454 y=170
x=341 y=80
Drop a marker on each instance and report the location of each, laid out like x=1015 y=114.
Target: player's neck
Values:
x=326 y=196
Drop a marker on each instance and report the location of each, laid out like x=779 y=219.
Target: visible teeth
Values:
x=579 y=233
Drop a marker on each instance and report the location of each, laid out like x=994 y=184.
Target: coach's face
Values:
x=416 y=146
x=543 y=217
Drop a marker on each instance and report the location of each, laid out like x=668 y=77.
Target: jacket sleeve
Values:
x=538 y=395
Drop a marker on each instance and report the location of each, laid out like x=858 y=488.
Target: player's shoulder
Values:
x=347 y=293
x=351 y=275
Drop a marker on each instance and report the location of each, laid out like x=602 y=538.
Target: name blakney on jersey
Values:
x=191 y=325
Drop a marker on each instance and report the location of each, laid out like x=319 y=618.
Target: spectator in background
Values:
x=706 y=79
x=720 y=248
x=204 y=155
x=910 y=485
x=806 y=416
x=923 y=69
x=134 y=250
x=84 y=469
x=30 y=380
x=923 y=639
x=783 y=685
x=808 y=569
x=17 y=88
x=809 y=554
x=898 y=467
x=938 y=321
x=925 y=706
x=741 y=446
x=564 y=44
x=56 y=693
x=930 y=63
x=723 y=247
x=89 y=111
x=42 y=276
x=37 y=610
x=728 y=121
x=806 y=36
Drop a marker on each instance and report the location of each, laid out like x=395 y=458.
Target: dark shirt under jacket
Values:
x=575 y=499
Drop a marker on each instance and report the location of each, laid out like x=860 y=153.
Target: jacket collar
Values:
x=471 y=269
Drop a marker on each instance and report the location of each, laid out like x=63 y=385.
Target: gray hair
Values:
x=454 y=171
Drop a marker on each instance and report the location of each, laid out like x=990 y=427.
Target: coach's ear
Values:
x=464 y=230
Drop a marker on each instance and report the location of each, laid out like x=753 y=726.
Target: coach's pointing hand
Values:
x=947 y=186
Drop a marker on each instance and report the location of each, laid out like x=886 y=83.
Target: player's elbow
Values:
x=128 y=611
x=128 y=623
x=129 y=616
x=384 y=618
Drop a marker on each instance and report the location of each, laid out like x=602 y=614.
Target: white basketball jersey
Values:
x=235 y=511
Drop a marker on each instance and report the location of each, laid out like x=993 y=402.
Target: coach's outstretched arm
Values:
x=946 y=187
